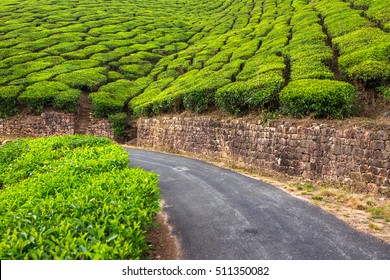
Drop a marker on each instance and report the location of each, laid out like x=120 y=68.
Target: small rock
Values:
x=5 y=142
x=387 y=115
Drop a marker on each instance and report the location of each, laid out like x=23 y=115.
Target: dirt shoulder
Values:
x=163 y=244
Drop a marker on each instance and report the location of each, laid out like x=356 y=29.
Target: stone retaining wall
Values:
x=52 y=123
x=47 y=123
x=100 y=127
x=355 y=155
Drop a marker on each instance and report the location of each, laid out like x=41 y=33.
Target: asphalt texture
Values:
x=220 y=214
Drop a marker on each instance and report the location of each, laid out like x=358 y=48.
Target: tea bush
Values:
x=105 y=104
x=46 y=94
x=200 y=98
x=9 y=100
x=73 y=197
x=120 y=123
x=319 y=98
x=239 y=97
x=160 y=48
x=88 y=79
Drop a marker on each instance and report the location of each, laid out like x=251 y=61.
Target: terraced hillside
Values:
x=150 y=57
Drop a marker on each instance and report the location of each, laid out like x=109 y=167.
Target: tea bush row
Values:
x=364 y=49
x=178 y=54
x=73 y=197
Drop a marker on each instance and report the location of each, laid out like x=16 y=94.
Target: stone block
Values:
x=377 y=145
x=368 y=177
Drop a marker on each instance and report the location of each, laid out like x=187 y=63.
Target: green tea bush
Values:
x=378 y=11
x=120 y=123
x=18 y=59
x=166 y=104
x=140 y=57
x=67 y=100
x=365 y=55
x=310 y=68
x=135 y=71
x=65 y=67
x=73 y=197
x=90 y=44
x=39 y=44
x=359 y=39
x=46 y=94
x=370 y=71
x=153 y=90
x=385 y=91
x=7 y=52
x=9 y=100
x=88 y=79
x=319 y=98
x=340 y=18
x=114 y=76
x=23 y=69
x=259 y=64
x=239 y=97
x=121 y=89
x=105 y=104
x=378 y=52
x=200 y=98
x=85 y=52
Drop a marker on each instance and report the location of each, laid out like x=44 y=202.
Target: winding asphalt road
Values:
x=220 y=214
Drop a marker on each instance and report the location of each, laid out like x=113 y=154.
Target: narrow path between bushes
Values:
x=220 y=214
x=82 y=114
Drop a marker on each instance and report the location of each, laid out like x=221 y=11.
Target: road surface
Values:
x=220 y=214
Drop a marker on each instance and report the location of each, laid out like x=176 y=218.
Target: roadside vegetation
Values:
x=364 y=211
x=73 y=197
x=241 y=56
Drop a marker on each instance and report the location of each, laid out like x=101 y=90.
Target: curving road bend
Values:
x=220 y=214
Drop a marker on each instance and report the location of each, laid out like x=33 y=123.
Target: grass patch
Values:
x=305 y=187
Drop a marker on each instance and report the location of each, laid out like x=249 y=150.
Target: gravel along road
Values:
x=220 y=214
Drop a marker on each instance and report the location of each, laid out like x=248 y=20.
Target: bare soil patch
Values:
x=163 y=244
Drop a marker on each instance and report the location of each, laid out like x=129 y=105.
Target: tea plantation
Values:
x=302 y=57
x=73 y=197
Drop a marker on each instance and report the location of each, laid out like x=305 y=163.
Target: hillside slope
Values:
x=307 y=57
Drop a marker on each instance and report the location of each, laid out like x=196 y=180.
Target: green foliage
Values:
x=310 y=68
x=105 y=104
x=121 y=89
x=365 y=55
x=134 y=71
x=85 y=52
x=199 y=100
x=181 y=52
x=340 y=18
x=46 y=94
x=260 y=92
x=120 y=123
x=73 y=197
x=113 y=76
x=370 y=71
x=67 y=100
x=9 y=100
x=21 y=70
x=200 y=97
x=88 y=79
x=385 y=91
x=319 y=98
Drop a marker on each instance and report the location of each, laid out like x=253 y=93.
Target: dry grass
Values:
x=366 y=212
x=9 y=138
